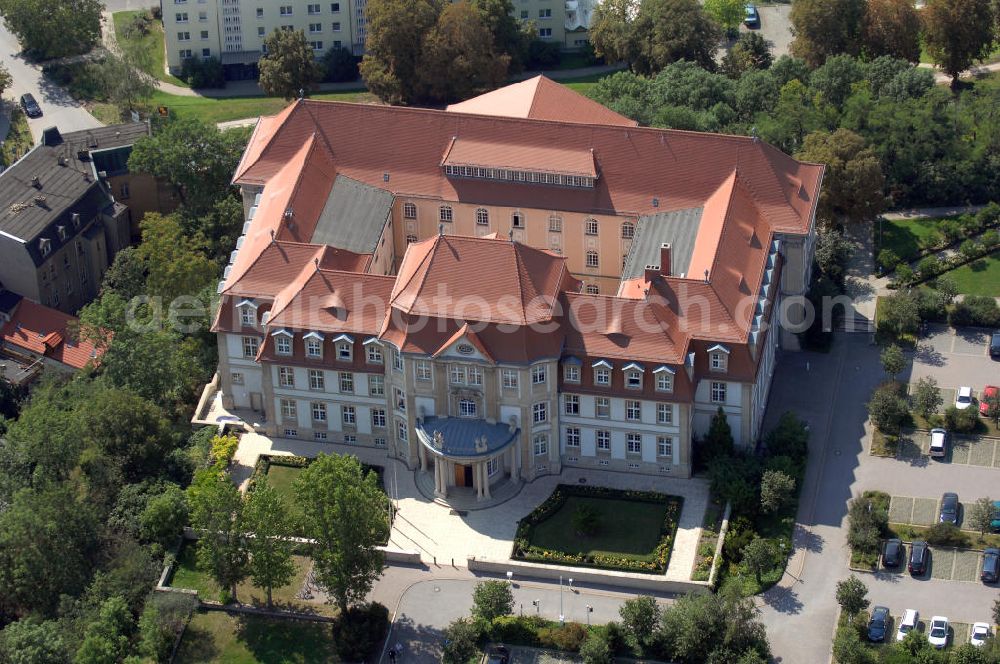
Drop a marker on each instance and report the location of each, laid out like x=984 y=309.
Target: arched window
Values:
x=445 y=213
x=628 y=230
x=409 y=211
x=592 y=260
x=482 y=217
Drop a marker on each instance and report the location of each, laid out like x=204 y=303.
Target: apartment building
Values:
x=492 y=298
x=565 y=22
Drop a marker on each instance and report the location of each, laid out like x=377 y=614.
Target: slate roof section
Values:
x=354 y=216
x=459 y=435
x=679 y=228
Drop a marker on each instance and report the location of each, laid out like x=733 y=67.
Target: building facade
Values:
x=487 y=308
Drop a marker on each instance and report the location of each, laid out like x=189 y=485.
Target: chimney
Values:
x=651 y=273
x=665 y=259
x=36 y=182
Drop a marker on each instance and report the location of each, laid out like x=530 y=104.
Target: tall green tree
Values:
x=5 y=78
x=776 y=490
x=217 y=510
x=729 y=14
x=826 y=27
x=288 y=67
x=759 y=556
x=750 y=52
x=266 y=516
x=510 y=36
x=129 y=431
x=853 y=184
x=852 y=595
x=32 y=641
x=640 y=616
x=54 y=28
x=981 y=515
x=394 y=46
x=958 y=33
x=492 y=599
x=459 y=59
x=891 y=27
x=177 y=262
x=106 y=639
x=893 y=360
x=124 y=79
x=926 y=396
x=611 y=30
x=348 y=515
x=798 y=112
x=669 y=30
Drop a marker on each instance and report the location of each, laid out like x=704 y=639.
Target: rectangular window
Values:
x=540 y=412
x=603 y=440
x=376 y=385
x=319 y=411
x=538 y=375
x=261 y=32
x=592 y=259
x=544 y=13
x=379 y=442
x=555 y=224
x=260 y=12
x=456 y=374
x=185 y=53
x=602 y=376
x=344 y=351
x=378 y=418
x=633 y=380
x=206 y=52
x=545 y=33
x=572 y=437
x=374 y=354
x=236 y=378
x=718 y=393
x=422 y=369
x=285 y=10
x=591 y=227
x=346 y=382
x=572 y=402
x=317 y=381
x=350 y=439
x=288 y=410
x=283 y=345
x=286 y=377
x=349 y=415
x=335 y=26
x=397 y=360
x=181 y=17
x=314 y=348
x=466 y=408
x=315 y=27
x=291 y=433
x=316 y=45
x=541 y=444
x=334 y=7
x=602 y=407
x=248 y=316
x=633 y=411
x=571 y=373
x=319 y=435
x=664 y=413
x=401 y=431
x=399 y=399
x=633 y=443
x=492 y=466
x=718 y=361
x=664 y=382
x=313 y=8
x=475 y=376
x=509 y=379
x=664 y=446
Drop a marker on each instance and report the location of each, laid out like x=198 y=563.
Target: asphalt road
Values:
x=58 y=108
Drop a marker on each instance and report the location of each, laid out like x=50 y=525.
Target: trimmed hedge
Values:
x=524 y=550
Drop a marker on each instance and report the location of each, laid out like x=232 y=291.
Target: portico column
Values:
x=439 y=477
x=423 y=458
x=515 y=461
x=477 y=480
x=486 y=481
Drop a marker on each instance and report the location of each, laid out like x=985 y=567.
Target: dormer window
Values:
x=314 y=345
x=633 y=376
x=373 y=352
x=571 y=373
x=664 y=379
x=61 y=231
x=718 y=358
x=345 y=348
x=45 y=246
x=282 y=342
x=602 y=376
x=247 y=316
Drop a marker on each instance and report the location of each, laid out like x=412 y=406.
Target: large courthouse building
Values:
x=522 y=282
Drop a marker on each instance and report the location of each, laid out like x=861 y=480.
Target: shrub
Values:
x=339 y=66
x=887 y=409
x=977 y=311
x=223 y=449
x=735 y=480
x=568 y=637
x=928 y=266
x=946 y=534
x=932 y=303
x=904 y=274
x=867 y=522
x=640 y=616
x=961 y=421
x=492 y=599
x=789 y=438
x=776 y=490
x=739 y=535
x=596 y=649
x=969 y=249
x=460 y=638
x=543 y=55
x=203 y=73
x=888 y=259
x=519 y=630
x=359 y=632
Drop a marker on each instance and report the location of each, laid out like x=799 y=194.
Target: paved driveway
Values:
x=775 y=26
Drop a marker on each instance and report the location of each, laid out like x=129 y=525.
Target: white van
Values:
x=907 y=623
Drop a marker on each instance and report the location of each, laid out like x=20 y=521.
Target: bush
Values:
x=492 y=599
x=568 y=637
x=946 y=534
x=888 y=259
x=739 y=535
x=360 y=631
x=543 y=54
x=867 y=522
x=518 y=630
x=887 y=409
x=928 y=266
x=596 y=649
x=339 y=66
x=203 y=73
x=976 y=311
x=961 y=421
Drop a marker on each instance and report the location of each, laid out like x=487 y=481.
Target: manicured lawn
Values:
x=223 y=638
x=281 y=478
x=625 y=527
x=187 y=575
x=224 y=109
x=903 y=236
x=980 y=277
x=151 y=42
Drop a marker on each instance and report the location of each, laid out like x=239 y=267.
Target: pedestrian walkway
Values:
x=972 y=72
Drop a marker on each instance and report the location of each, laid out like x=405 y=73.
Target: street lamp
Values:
x=537 y=604
x=590 y=610
x=560 y=600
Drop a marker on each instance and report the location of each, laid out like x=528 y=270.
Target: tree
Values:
x=848 y=648
x=394 y=46
x=54 y=28
x=891 y=27
x=718 y=627
x=492 y=599
x=718 y=442
x=852 y=595
x=176 y=261
x=947 y=287
x=981 y=514
x=163 y=617
x=639 y=618
x=729 y=14
x=893 y=360
x=751 y=51
x=887 y=409
x=957 y=33
x=460 y=639
x=193 y=156
x=611 y=30
x=797 y=113
x=288 y=67
x=130 y=431
x=124 y=80
x=339 y=66
x=835 y=78
x=5 y=78
x=165 y=516
x=900 y=314
x=776 y=490
x=31 y=641
x=347 y=514
x=823 y=28
x=596 y=650
x=458 y=59
x=759 y=556
x=106 y=639
x=665 y=31
x=266 y=516
x=926 y=397
x=510 y=36
x=996 y=612
x=217 y=509
x=853 y=184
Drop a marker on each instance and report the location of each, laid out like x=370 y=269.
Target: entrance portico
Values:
x=468 y=453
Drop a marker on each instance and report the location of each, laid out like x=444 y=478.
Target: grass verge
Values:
x=225 y=109
x=905 y=236
x=217 y=636
x=18 y=140
x=151 y=42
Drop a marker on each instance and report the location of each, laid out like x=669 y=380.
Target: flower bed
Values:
x=653 y=561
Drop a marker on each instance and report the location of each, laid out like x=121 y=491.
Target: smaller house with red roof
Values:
x=36 y=337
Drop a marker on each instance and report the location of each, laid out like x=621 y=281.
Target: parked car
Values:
x=964 y=398
x=995 y=523
x=937 y=634
x=907 y=623
x=30 y=106
x=752 y=19
x=979 y=633
x=991 y=566
x=939 y=443
x=949 y=508
x=892 y=554
x=919 y=552
x=879 y=624
x=995 y=346
x=989 y=392
x=498 y=655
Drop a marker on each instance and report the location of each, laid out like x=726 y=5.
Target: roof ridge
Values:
x=519 y=266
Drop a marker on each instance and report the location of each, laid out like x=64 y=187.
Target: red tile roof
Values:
x=43 y=331
x=520 y=157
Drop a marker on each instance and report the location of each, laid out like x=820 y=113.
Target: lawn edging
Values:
x=523 y=549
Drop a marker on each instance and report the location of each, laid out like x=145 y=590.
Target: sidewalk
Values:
x=972 y=72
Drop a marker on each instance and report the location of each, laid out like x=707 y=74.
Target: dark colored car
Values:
x=892 y=555
x=991 y=566
x=995 y=346
x=949 y=508
x=752 y=19
x=498 y=655
x=879 y=624
x=919 y=552
x=30 y=106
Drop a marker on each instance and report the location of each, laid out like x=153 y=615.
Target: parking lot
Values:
x=955 y=358
x=958 y=632
x=969 y=451
x=943 y=564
